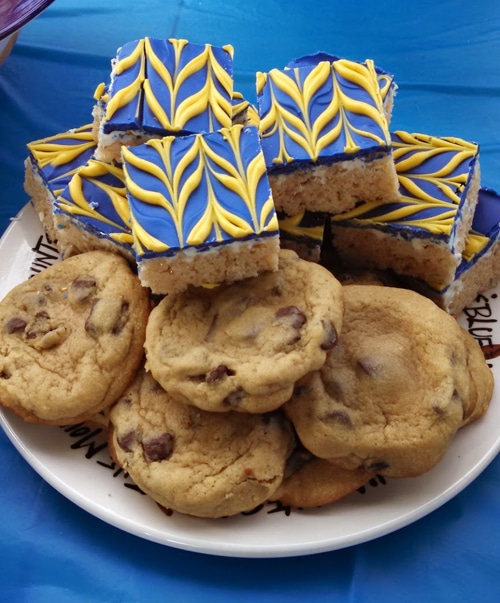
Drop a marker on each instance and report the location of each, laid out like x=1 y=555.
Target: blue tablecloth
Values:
x=445 y=56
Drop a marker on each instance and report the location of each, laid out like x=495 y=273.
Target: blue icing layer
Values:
x=58 y=157
x=198 y=191
x=95 y=200
x=320 y=112
x=169 y=87
x=130 y=76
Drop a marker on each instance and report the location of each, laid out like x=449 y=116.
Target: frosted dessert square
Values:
x=201 y=208
x=325 y=136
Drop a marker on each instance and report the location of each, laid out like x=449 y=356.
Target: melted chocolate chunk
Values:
x=82 y=288
x=299 y=458
x=331 y=337
x=234 y=398
x=218 y=373
x=367 y=366
x=122 y=318
x=341 y=417
x=15 y=324
x=159 y=448
x=126 y=440
x=296 y=317
x=108 y=315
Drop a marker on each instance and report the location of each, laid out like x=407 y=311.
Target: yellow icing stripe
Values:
x=127 y=94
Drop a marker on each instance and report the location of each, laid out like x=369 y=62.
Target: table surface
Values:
x=445 y=59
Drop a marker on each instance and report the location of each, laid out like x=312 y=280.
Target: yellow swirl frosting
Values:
x=169 y=86
x=96 y=199
x=434 y=175
x=58 y=157
x=198 y=191
x=322 y=111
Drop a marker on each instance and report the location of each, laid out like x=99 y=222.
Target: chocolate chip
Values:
x=82 y=288
x=218 y=373
x=299 y=458
x=15 y=325
x=122 y=319
x=159 y=448
x=4 y=375
x=330 y=339
x=301 y=390
x=341 y=417
x=296 y=317
x=368 y=367
x=126 y=440
x=234 y=398
x=108 y=315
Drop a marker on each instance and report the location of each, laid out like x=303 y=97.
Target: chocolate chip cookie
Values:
x=482 y=382
x=242 y=346
x=313 y=482
x=71 y=338
x=196 y=462
x=394 y=390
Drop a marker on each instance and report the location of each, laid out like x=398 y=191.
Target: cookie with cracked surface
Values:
x=394 y=390
x=242 y=346
x=71 y=338
x=313 y=482
x=196 y=462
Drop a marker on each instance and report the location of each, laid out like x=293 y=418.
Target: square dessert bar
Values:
x=423 y=233
x=92 y=212
x=201 y=209
x=479 y=269
x=325 y=136
x=49 y=167
x=163 y=87
x=387 y=83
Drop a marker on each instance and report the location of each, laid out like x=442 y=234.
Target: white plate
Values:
x=76 y=463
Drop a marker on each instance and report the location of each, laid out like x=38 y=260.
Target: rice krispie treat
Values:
x=201 y=209
x=422 y=234
x=161 y=87
x=479 y=268
x=325 y=137
x=387 y=83
x=92 y=212
x=50 y=165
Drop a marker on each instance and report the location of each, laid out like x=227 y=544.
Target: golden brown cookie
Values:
x=71 y=338
x=482 y=382
x=394 y=390
x=313 y=482
x=196 y=462
x=241 y=347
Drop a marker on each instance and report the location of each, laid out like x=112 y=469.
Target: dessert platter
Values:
x=191 y=290
x=75 y=461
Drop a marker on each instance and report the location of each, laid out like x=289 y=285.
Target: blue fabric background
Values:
x=445 y=56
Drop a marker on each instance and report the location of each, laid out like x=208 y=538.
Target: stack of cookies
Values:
x=232 y=370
